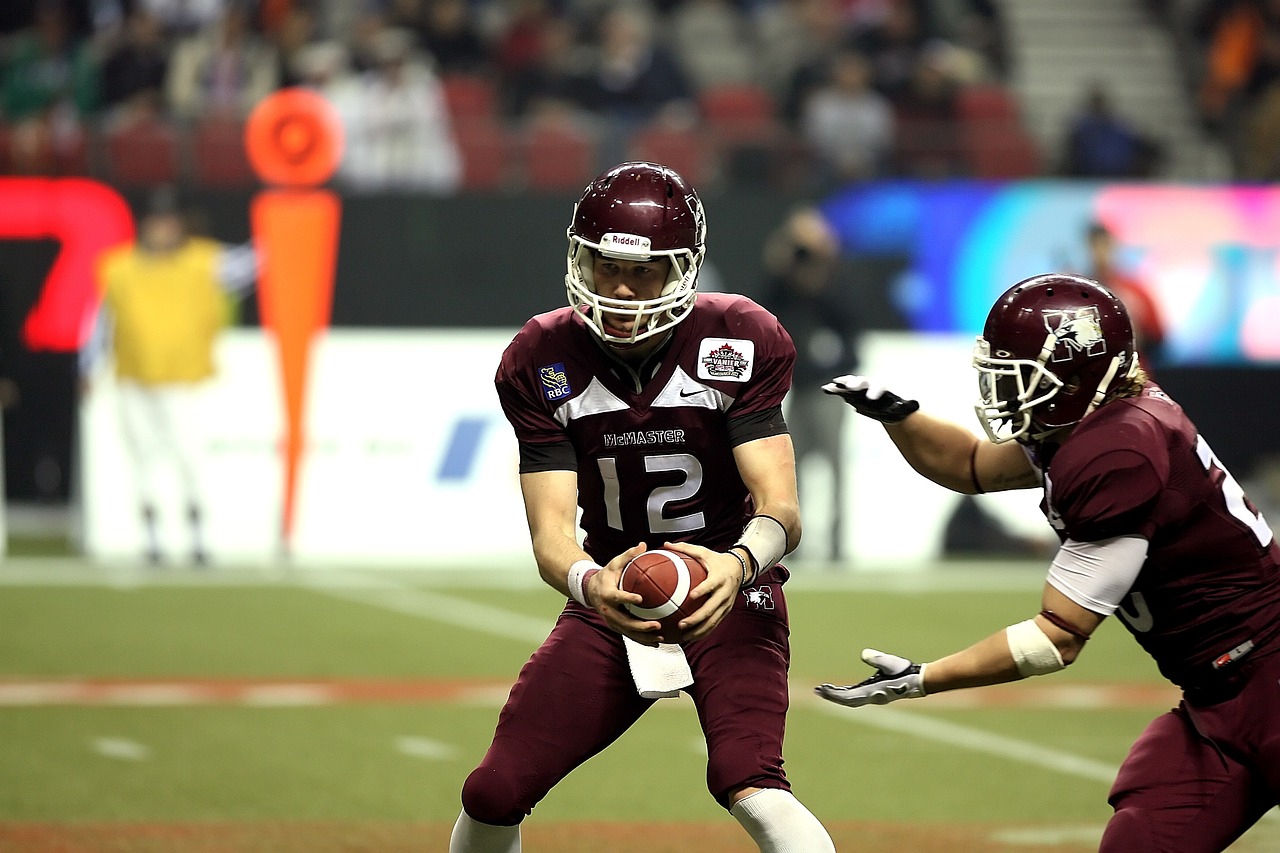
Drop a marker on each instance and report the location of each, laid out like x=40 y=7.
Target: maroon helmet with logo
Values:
x=1053 y=347
x=637 y=211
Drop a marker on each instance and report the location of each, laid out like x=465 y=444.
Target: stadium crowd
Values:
x=445 y=95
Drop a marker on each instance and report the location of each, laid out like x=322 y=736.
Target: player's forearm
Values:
x=940 y=450
x=555 y=553
x=988 y=661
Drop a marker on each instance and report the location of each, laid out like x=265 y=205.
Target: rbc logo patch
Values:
x=555 y=382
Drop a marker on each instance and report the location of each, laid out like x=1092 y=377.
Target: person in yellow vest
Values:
x=166 y=297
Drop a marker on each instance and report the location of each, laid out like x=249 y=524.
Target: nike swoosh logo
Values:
x=693 y=393
x=899 y=689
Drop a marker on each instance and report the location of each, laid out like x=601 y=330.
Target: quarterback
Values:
x=1153 y=529
x=655 y=412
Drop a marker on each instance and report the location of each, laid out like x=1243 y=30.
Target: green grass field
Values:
x=318 y=710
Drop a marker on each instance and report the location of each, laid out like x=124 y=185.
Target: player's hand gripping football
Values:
x=724 y=576
x=604 y=596
x=871 y=398
x=896 y=678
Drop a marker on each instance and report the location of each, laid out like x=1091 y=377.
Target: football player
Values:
x=1153 y=529
x=655 y=411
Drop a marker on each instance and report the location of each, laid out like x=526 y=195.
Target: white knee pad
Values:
x=779 y=823
x=472 y=836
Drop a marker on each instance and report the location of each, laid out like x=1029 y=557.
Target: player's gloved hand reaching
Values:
x=896 y=678
x=871 y=398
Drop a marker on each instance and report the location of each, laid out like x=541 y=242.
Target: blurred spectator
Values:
x=797 y=40
x=894 y=47
x=398 y=133
x=1242 y=58
x=633 y=79
x=1239 y=94
x=51 y=85
x=713 y=43
x=975 y=26
x=519 y=45
x=1148 y=322
x=927 y=122
x=848 y=124
x=556 y=77
x=134 y=70
x=326 y=67
x=449 y=34
x=1101 y=144
x=187 y=17
x=807 y=288
x=166 y=299
x=362 y=37
x=297 y=28
x=222 y=70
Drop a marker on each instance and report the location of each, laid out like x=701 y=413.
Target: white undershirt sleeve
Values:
x=1098 y=575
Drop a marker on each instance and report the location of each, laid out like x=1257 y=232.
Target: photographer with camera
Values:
x=804 y=288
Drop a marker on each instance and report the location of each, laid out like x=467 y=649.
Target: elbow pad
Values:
x=1033 y=652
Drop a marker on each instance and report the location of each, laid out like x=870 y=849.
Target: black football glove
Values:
x=896 y=678
x=871 y=398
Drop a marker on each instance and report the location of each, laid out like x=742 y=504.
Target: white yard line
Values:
x=493 y=620
x=918 y=725
x=385 y=590
x=122 y=749
x=421 y=747
x=432 y=605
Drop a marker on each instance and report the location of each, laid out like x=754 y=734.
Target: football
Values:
x=663 y=579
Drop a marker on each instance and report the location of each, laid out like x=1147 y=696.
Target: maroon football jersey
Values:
x=1211 y=580
x=654 y=453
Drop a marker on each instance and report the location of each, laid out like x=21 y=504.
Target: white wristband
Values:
x=579 y=573
x=1032 y=650
x=765 y=539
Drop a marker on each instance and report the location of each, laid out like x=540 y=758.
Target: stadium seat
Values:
x=469 y=98
x=743 y=124
x=999 y=151
x=143 y=154
x=486 y=150
x=987 y=102
x=993 y=141
x=683 y=149
x=739 y=113
x=218 y=156
x=558 y=157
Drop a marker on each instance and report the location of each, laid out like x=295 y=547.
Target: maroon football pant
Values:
x=1198 y=777
x=575 y=696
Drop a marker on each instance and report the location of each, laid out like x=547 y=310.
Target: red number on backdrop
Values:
x=87 y=217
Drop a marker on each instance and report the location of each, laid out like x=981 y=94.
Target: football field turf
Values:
x=267 y=709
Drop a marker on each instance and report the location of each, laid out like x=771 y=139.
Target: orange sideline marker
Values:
x=294 y=141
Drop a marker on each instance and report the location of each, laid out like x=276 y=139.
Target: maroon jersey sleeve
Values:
x=1110 y=490
x=775 y=356
x=523 y=388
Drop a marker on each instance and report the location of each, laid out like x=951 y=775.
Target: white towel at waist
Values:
x=659 y=672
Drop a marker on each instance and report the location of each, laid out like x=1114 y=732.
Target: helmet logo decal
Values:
x=555 y=382
x=1074 y=332
x=626 y=244
x=699 y=215
x=726 y=359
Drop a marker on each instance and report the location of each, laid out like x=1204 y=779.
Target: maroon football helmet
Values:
x=636 y=211
x=1053 y=347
